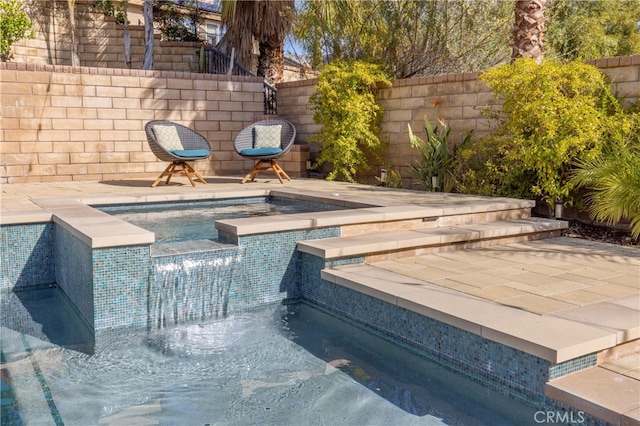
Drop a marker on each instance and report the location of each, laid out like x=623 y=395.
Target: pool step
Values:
x=552 y=338
x=602 y=393
x=623 y=359
x=444 y=236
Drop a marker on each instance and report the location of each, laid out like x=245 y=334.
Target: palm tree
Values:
x=613 y=182
x=529 y=29
x=267 y=22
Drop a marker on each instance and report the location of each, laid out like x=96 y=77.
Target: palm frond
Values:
x=613 y=182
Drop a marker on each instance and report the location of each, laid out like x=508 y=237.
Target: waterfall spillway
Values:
x=193 y=286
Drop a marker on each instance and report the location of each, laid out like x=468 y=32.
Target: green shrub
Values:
x=14 y=25
x=552 y=115
x=481 y=168
x=345 y=105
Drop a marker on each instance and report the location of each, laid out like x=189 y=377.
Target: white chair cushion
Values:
x=267 y=136
x=167 y=137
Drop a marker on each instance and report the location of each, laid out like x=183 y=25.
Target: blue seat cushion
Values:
x=259 y=152
x=191 y=153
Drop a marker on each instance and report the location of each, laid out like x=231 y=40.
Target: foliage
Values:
x=14 y=24
x=106 y=6
x=484 y=168
x=591 y=29
x=435 y=155
x=109 y=10
x=178 y=20
x=409 y=37
x=552 y=114
x=613 y=178
x=345 y=105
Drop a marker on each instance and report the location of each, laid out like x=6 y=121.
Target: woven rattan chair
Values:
x=177 y=144
x=252 y=143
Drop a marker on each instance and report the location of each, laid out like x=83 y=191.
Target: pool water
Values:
x=195 y=220
x=279 y=365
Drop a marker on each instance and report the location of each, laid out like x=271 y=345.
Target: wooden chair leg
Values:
x=197 y=175
x=280 y=170
x=179 y=168
x=167 y=172
x=170 y=173
x=254 y=171
x=267 y=166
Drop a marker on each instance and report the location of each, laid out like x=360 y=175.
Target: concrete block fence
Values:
x=461 y=99
x=99 y=41
x=63 y=123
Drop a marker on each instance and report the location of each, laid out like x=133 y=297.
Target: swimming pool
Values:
x=106 y=278
x=195 y=220
x=280 y=364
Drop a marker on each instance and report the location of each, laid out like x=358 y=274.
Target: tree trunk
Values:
x=127 y=37
x=148 y=35
x=271 y=61
x=75 y=59
x=276 y=73
x=529 y=29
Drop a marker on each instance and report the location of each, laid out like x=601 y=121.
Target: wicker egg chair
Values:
x=177 y=144
x=265 y=141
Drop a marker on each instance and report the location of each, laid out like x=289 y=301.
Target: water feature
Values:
x=191 y=286
x=284 y=365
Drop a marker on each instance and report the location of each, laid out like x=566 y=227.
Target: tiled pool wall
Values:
x=74 y=272
x=110 y=287
x=27 y=258
x=506 y=369
x=120 y=285
x=270 y=266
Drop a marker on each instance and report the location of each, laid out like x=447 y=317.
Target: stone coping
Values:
x=599 y=392
x=332 y=248
x=100 y=230
x=551 y=338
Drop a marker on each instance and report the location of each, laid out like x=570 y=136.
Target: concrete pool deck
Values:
x=592 y=289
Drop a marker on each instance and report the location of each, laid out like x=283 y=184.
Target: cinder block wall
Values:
x=61 y=123
x=99 y=41
x=461 y=99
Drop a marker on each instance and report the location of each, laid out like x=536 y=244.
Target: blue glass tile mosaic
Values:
x=573 y=365
x=120 y=285
x=500 y=367
x=271 y=266
x=27 y=258
x=74 y=272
